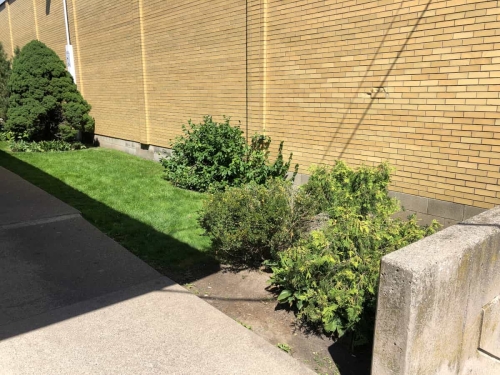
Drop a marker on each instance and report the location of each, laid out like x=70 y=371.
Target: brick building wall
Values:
x=414 y=82
x=5 y=29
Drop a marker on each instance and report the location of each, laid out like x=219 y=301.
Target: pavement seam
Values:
x=40 y=221
x=92 y=299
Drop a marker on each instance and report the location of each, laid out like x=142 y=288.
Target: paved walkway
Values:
x=73 y=301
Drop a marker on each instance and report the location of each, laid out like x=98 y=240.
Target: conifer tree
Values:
x=44 y=101
x=4 y=77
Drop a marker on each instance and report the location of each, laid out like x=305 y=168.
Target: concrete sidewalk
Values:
x=73 y=301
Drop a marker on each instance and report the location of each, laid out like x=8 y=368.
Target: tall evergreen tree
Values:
x=4 y=78
x=44 y=101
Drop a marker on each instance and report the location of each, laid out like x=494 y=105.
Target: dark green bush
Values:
x=44 y=146
x=254 y=222
x=212 y=156
x=5 y=70
x=331 y=276
x=44 y=102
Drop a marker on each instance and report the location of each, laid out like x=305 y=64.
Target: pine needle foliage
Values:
x=4 y=78
x=44 y=102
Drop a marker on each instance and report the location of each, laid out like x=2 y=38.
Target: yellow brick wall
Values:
x=109 y=64
x=413 y=82
x=195 y=63
x=256 y=26
x=436 y=118
x=22 y=21
x=5 y=36
x=49 y=23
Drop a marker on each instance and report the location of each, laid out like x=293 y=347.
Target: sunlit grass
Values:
x=125 y=197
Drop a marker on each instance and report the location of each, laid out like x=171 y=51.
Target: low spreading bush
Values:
x=213 y=156
x=254 y=222
x=324 y=241
x=44 y=146
x=331 y=276
x=6 y=136
x=44 y=102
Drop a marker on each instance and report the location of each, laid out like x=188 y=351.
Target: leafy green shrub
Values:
x=364 y=190
x=212 y=156
x=5 y=70
x=6 y=136
x=254 y=222
x=44 y=101
x=331 y=276
x=44 y=146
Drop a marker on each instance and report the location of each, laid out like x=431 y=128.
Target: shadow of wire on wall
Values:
x=361 y=87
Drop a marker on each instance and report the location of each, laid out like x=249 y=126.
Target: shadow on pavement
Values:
x=64 y=262
x=137 y=237
x=357 y=362
x=60 y=270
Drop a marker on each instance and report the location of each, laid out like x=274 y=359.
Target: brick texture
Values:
x=22 y=21
x=195 y=59
x=413 y=82
x=5 y=36
x=50 y=24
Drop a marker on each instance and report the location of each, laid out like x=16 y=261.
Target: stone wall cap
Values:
x=447 y=245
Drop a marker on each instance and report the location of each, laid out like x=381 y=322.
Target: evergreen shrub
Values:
x=44 y=102
x=254 y=222
x=5 y=70
x=329 y=272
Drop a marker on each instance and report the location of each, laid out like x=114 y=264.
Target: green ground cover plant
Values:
x=126 y=198
x=285 y=347
x=212 y=156
x=44 y=102
x=6 y=136
x=44 y=146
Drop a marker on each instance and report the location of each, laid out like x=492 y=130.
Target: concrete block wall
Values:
x=428 y=209
x=414 y=82
x=439 y=303
x=145 y=151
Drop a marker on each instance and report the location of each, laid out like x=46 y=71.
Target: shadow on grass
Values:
x=86 y=289
x=167 y=255
x=60 y=269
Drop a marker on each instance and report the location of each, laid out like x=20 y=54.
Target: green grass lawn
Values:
x=127 y=198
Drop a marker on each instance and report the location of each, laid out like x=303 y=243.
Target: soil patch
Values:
x=244 y=296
